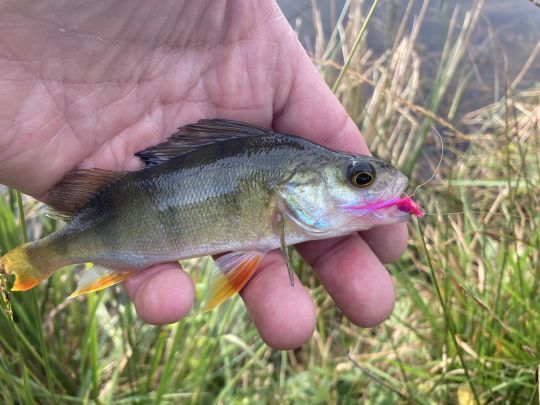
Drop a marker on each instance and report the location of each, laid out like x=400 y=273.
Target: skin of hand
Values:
x=88 y=84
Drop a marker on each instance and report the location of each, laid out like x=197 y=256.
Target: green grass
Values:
x=465 y=327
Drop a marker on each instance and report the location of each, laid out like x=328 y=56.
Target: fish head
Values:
x=368 y=191
x=347 y=193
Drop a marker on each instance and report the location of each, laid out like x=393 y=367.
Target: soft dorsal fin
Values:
x=77 y=188
x=193 y=136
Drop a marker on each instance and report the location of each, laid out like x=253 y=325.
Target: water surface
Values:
x=506 y=30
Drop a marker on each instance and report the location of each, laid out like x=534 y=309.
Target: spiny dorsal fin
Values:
x=75 y=190
x=193 y=136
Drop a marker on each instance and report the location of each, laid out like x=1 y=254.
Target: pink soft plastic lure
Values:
x=405 y=204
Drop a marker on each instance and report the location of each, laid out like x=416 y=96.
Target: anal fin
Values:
x=234 y=271
x=97 y=278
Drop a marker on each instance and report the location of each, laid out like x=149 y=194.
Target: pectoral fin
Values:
x=284 y=250
x=234 y=271
x=97 y=278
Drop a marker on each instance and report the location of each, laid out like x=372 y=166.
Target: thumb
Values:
x=312 y=111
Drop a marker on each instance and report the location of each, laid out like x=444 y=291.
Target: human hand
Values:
x=88 y=84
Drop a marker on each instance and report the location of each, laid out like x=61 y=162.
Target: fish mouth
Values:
x=403 y=204
x=390 y=206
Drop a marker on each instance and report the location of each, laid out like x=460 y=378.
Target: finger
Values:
x=388 y=242
x=353 y=276
x=283 y=315
x=313 y=112
x=162 y=294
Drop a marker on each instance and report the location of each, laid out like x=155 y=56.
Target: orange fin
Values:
x=77 y=188
x=27 y=274
x=234 y=271
x=97 y=278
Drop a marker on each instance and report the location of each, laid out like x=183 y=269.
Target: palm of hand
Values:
x=94 y=98
x=122 y=77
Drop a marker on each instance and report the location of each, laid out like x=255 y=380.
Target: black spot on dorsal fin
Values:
x=77 y=188
x=193 y=136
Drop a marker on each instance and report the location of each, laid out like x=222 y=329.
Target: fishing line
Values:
x=436 y=171
x=476 y=212
x=437 y=168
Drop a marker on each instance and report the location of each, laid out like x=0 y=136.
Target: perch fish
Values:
x=213 y=187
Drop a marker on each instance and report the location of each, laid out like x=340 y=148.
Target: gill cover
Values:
x=303 y=201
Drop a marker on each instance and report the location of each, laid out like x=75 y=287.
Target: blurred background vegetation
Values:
x=466 y=324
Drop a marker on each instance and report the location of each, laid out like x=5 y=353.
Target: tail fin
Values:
x=28 y=271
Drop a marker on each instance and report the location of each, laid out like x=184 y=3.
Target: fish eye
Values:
x=361 y=174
